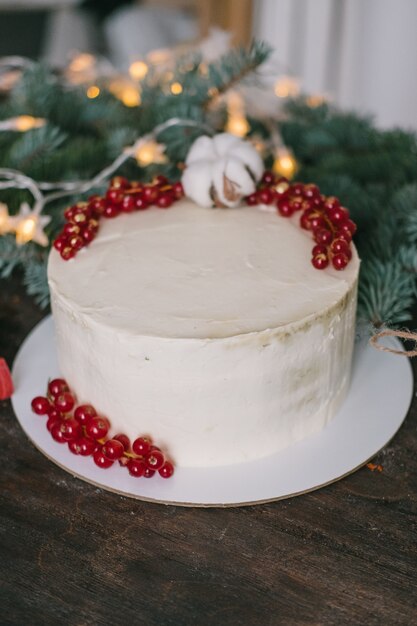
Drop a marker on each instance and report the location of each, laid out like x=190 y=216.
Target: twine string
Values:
x=400 y=334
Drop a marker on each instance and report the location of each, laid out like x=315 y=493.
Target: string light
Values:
x=4 y=219
x=159 y=56
x=125 y=91
x=93 y=91
x=237 y=124
x=176 y=88
x=285 y=164
x=316 y=100
x=22 y=123
x=82 y=62
x=287 y=87
x=28 y=225
x=150 y=152
x=138 y=70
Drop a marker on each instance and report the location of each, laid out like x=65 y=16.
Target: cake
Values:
x=207 y=328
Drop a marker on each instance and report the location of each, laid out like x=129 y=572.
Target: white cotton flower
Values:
x=221 y=170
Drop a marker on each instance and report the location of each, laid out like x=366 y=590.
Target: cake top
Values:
x=193 y=272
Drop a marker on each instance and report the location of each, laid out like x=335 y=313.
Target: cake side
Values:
x=214 y=401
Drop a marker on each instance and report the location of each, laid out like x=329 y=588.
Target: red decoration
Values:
x=85 y=432
x=328 y=222
x=6 y=382
x=121 y=197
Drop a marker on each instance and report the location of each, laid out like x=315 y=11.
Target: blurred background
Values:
x=360 y=54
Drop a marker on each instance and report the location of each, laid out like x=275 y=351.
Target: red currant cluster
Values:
x=329 y=223
x=86 y=433
x=122 y=196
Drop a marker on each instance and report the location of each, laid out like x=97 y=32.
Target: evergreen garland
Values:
x=373 y=172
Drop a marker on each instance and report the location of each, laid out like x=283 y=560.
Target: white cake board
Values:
x=378 y=401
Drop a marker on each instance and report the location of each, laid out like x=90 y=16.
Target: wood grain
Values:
x=73 y=554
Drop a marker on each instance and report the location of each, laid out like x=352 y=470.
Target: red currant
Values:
x=140 y=203
x=141 y=446
x=319 y=249
x=285 y=208
x=114 y=195
x=164 y=201
x=305 y=219
x=337 y=214
x=97 y=205
x=350 y=226
x=331 y=202
x=128 y=204
x=84 y=413
x=71 y=429
x=40 y=405
x=155 y=459
x=150 y=194
x=265 y=196
x=178 y=190
x=85 y=446
x=119 y=182
x=340 y=261
x=57 y=386
x=311 y=191
x=268 y=178
x=124 y=440
x=339 y=245
x=320 y=261
x=76 y=242
x=136 y=467
x=317 y=222
x=252 y=199
x=69 y=213
x=344 y=234
x=323 y=236
x=113 y=449
x=64 y=402
x=88 y=234
x=161 y=180
x=111 y=210
x=73 y=446
x=166 y=470
x=52 y=421
x=148 y=473
x=60 y=243
x=97 y=427
x=57 y=433
x=71 y=229
x=101 y=460
x=67 y=253
x=297 y=189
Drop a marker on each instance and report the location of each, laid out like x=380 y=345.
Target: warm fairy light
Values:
x=287 y=87
x=82 y=62
x=150 y=152
x=27 y=122
x=237 y=125
x=176 y=88
x=93 y=91
x=138 y=70
x=4 y=218
x=157 y=57
x=25 y=230
x=316 y=100
x=285 y=164
x=130 y=97
x=126 y=92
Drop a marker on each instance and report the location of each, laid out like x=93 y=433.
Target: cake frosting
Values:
x=209 y=329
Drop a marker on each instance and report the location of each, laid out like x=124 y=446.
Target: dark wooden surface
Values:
x=73 y=554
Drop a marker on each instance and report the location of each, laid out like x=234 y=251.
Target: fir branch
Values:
x=35 y=280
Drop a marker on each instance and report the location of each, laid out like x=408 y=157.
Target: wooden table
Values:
x=74 y=554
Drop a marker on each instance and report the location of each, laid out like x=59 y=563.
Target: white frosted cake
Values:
x=209 y=329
